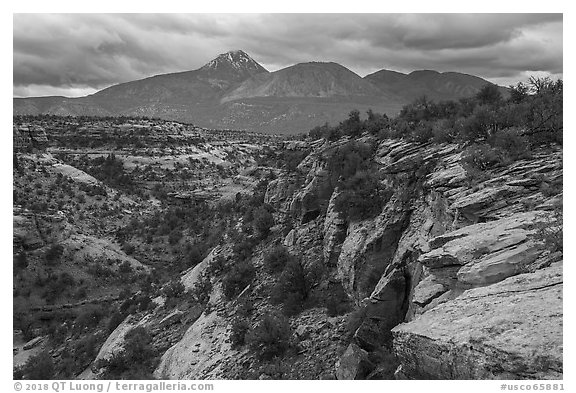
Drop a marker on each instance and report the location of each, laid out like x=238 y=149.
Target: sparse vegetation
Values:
x=276 y=259
x=54 y=254
x=271 y=336
x=238 y=333
x=263 y=221
x=240 y=275
x=551 y=231
x=291 y=289
x=40 y=367
x=135 y=361
x=532 y=114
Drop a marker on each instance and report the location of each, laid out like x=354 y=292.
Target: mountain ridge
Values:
x=235 y=91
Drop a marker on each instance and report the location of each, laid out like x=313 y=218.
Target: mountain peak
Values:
x=236 y=61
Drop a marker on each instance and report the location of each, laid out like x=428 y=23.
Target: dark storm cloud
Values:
x=79 y=53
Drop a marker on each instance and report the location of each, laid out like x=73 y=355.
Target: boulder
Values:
x=302 y=332
x=290 y=239
x=33 y=343
x=353 y=364
x=427 y=290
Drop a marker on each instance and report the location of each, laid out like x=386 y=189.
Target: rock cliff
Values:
x=452 y=278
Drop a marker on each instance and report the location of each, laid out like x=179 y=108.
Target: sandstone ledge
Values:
x=508 y=330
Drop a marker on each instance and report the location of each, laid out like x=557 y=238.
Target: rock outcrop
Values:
x=279 y=192
x=369 y=248
x=191 y=277
x=334 y=231
x=202 y=349
x=508 y=330
x=454 y=237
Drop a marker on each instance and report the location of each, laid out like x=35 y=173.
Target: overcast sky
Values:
x=78 y=54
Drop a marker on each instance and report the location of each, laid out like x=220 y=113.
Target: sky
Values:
x=78 y=54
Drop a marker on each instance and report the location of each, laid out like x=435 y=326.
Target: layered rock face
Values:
x=444 y=240
x=509 y=330
x=452 y=277
x=437 y=239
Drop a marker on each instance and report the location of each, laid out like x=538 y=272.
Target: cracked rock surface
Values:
x=508 y=330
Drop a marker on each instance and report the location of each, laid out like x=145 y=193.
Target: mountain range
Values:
x=233 y=91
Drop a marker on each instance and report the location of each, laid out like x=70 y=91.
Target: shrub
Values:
x=239 y=276
x=115 y=319
x=489 y=94
x=551 y=231
x=292 y=158
x=18 y=373
x=291 y=289
x=86 y=349
x=480 y=156
x=57 y=286
x=40 y=366
x=238 y=333
x=352 y=125
x=319 y=131
x=336 y=301
x=344 y=161
x=194 y=255
x=545 y=118
x=443 y=131
x=128 y=248
x=263 y=221
x=243 y=247
x=89 y=317
x=276 y=259
x=271 y=336
x=173 y=289
x=245 y=308
x=361 y=197
x=54 y=254
x=125 y=268
x=174 y=236
x=422 y=132
x=135 y=361
x=202 y=289
x=479 y=125
x=512 y=142
x=20 y=262
x=217 y=266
